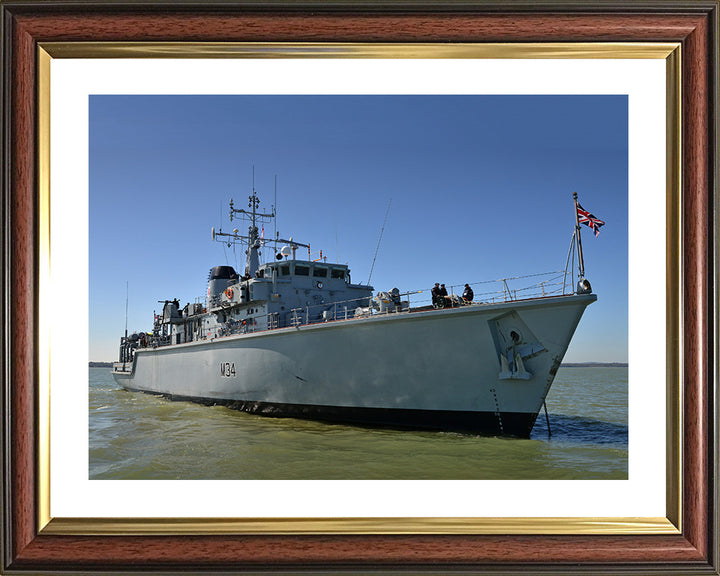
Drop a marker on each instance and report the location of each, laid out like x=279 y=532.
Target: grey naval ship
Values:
x=295 y=337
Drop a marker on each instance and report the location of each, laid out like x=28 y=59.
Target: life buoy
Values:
x=229 y=293
x=319 y=284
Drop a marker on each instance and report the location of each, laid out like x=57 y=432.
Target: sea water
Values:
x=140 y=436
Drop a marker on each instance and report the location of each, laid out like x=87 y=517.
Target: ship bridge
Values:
x=313 y=270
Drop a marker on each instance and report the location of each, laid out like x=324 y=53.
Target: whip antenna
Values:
x=274 y=210
x=127 y=297
x=379 y=239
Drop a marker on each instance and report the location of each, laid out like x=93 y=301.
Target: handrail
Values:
x=367 y=306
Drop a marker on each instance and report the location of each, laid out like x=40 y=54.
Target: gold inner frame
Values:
x=670 y=524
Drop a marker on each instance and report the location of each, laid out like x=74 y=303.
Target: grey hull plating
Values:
x=454 y=369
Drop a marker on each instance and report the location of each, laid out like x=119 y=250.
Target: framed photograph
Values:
x=96 y=98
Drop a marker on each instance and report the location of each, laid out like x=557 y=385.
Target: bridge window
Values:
x=337 y=273
x=319 y=272
x=285 y=270
x=302 y=270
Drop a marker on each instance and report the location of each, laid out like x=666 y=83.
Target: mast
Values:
x=253 y=237
x=253 y=257
x=581 y=262
x=253 y=240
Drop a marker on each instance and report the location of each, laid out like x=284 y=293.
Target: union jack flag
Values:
x=584 y=217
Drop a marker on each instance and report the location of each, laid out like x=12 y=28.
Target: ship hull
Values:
x=434 y=370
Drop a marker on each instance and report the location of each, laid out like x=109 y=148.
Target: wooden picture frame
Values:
x=30 y=546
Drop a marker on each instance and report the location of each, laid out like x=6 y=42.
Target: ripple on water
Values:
x=141 y=436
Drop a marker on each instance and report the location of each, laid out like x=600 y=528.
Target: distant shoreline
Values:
x=594 y=365
x=563 y=365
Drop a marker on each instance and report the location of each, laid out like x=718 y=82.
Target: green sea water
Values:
x=141 y=436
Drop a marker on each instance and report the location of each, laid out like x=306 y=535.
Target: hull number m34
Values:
x=227 y=369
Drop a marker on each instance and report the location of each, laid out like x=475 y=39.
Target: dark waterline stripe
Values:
x=464 y=421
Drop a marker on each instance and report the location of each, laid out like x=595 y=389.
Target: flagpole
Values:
x=579 y=240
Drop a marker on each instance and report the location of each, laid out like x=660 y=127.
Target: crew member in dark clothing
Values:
x=442 y=299
x=435 y=293
x=468 y=293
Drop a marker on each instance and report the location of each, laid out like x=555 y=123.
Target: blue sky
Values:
x=480 y=189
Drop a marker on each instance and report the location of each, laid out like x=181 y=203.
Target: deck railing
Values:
x=504 y=289
x=493 y=291
x=543 y=285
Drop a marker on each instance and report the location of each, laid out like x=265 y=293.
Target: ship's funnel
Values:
x=220 y=277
